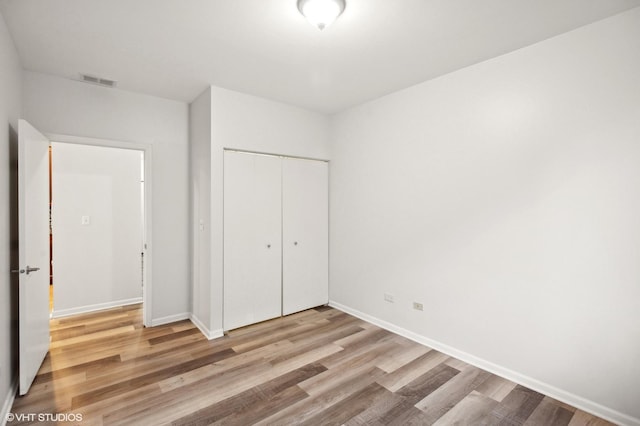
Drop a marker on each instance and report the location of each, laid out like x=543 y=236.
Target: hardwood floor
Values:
x=316 y=367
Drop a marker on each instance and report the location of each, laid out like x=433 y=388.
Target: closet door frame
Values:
x=229 y=326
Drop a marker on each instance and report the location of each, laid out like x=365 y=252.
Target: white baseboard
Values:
x=531 y=383
x=169 y=319
x=92 y=308
x=8 y=402
x=210 y=335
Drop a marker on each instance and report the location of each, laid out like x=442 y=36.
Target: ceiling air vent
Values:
x=97 y=80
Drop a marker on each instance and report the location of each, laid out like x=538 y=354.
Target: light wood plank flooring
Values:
x=318 y=367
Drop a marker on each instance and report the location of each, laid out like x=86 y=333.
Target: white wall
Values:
x=200 y=161
x=60 y=106
x=10 y=107
x=504 y=197
x=96 y=264
x=251 y=123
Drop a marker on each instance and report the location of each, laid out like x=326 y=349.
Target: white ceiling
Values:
x=176 y=48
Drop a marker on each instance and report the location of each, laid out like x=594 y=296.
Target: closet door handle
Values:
x=295 y=243
x=30 y=269
x=27 y=270
x=268 y=246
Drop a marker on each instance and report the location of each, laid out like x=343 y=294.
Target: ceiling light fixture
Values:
x=321 y=13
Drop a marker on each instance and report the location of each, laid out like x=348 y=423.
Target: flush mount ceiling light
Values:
x=321 y=13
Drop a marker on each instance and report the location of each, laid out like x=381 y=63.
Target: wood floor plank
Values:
x=308 y=345
x=496 y=388
x=374 y=414
x=121 y=345
x=100 y=375
x=104 y=336
x=332 y=324
x=360 y=350
x=516 y=407
x=424 y=385
x=103 y=363
x=173 y=408
x=253 y=357
x=140 y=381
x=404 y=414
x=349 y=407
x=436 y=404
x=549 y=412
x=457 y=364
x=474 y=409
x=322 y=383
x=392 y=361
x=174 y=336
x=320 y=366
x=185 y=379
x=140 y=336
x=148 y=351
x=249 y=342
x=124 y=403
x=270 y=397
x=333 y=394
x=412 y=370
x=59 y=384
x=265 y=407
x=367 y=336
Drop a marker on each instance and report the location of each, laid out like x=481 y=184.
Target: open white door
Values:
x=33 y=217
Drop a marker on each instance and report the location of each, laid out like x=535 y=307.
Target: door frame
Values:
x=281 y=156
x=147 y=149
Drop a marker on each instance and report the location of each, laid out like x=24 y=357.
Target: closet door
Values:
x=305 y=238
x=252 y=239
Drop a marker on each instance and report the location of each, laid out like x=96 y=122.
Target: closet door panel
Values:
x=305 y=267
x=252 y=239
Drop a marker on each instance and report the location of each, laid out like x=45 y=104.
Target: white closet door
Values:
x=305 y=236
x=252 y=239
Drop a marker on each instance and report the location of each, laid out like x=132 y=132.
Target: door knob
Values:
x=30 y=269
x=295 y=243
x=27 y=270
x=268 y=245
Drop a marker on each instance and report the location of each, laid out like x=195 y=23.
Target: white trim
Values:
x=147 y=149
x=92 y=308
x=8 y=402
x=210 y=335
x=270 y=154
x=169 y=319
x=529 y=382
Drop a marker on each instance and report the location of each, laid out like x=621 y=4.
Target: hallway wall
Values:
x=60 y=106
x=97 y=227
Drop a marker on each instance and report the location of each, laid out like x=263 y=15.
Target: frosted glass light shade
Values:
x=321 y=13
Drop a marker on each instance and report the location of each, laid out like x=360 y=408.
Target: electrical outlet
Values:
x=418 y=306
x=388 y=297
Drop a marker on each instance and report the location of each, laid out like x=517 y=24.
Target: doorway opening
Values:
x=97 y=227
